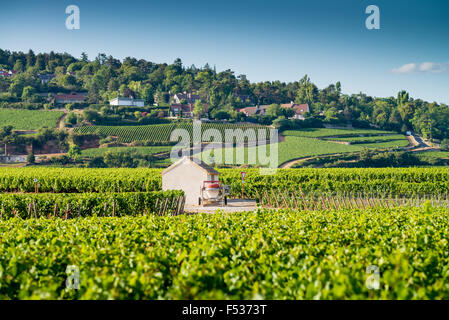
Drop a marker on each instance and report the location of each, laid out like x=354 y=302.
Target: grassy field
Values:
x=94 y=152
x=29 y=119
x=434 y=155
x=372 y=139
x=325 y=132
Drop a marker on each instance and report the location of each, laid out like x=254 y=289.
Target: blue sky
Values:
x=266 y=40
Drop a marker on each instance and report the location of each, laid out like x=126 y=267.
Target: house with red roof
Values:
x=69 y=98
x=300 y=109
x=249 y=111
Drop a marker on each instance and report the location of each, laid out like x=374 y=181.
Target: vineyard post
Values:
x=283 y=197
x=35 y=209
x=155 y=205
x=268 y=198
x=243 y=174
x=322 y=202
x=178 y=207
x=55 y=210
x=164 y=207
x=29 y=210
x=67 y=211
x=275 y=198
x=315 y=202
x=36 y=186
x=303 y=199
x=294 y=199
x=258 y=197
x=113 y=208
x=183 y=203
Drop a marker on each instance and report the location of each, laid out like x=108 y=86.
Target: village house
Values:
x=131 y=102
x=188 y=175
x=249 y=111
x=184 y=110
x=46 y=78
x=185 y=98
x=300 y=109
x=181 y=110
x=69 y=98
x=7 y=74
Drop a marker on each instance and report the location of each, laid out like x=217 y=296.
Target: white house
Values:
x=188 y=175
x=122 y=101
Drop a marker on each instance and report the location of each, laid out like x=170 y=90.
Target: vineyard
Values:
x=283 y=254
x=69 y=205
x=95 y=152
x=398 y=181
x=29 y=119
x=314 y=235
x=162 y=132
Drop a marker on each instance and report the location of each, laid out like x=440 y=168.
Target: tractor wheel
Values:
x=199 y=201
x=226 y=201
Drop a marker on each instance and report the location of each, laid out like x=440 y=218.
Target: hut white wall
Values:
x=187 y=177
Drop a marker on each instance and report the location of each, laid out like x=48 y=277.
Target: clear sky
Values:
x=266 y=40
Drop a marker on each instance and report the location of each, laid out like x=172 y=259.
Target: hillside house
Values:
x=46 y=78
x=69 y=98
x=188 y=175
x=181 y=110
x=7 y=74
x=130 y=102
x=249 y=111
x=186 y=98
x=300 y=109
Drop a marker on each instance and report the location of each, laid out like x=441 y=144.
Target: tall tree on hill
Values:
x=30 y=58
x=307 y=92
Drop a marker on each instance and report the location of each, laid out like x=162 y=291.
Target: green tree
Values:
x=31 y=158
x=274 y=110
x=27 y=93
x=74 y=151
x=198 y=108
